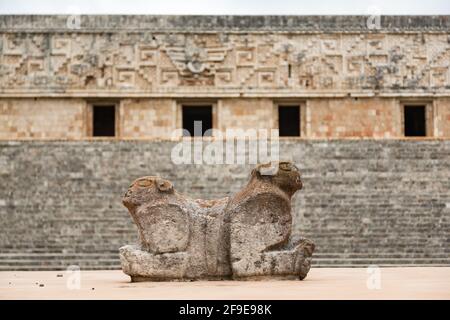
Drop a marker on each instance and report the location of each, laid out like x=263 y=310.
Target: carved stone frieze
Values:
x=145 y=61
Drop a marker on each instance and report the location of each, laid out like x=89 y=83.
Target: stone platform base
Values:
x=224 y=278
x=141 y=266
x=321 y=283
x=154 y=279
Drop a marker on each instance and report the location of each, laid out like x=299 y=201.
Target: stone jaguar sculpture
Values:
x=246 y=236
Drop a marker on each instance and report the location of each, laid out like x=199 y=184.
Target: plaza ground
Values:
x=321 y=283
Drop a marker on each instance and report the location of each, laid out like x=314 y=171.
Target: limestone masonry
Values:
x=88 y=104
x=348 y=79
x=383 y=202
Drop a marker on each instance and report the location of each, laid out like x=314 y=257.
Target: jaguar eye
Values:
x=285 y=166
x=144 y=183
x=128 y=193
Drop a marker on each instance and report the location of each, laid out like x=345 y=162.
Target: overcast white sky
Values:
x=414 y=7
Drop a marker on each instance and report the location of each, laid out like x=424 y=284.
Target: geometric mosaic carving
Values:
x=149 y=63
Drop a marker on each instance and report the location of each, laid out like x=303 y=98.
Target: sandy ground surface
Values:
x=321 y=283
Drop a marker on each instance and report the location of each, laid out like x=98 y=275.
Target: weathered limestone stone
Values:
x=349 y=79
x=242 y=237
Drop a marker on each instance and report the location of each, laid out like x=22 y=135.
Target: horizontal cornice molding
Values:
x=222 y=23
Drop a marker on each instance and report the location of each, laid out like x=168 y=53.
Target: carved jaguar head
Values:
x=283 y=174
x=143 y=189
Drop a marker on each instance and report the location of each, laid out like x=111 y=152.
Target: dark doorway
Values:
x=104 y=123
x=289 y=121
x=194 y=113
x=415 y=121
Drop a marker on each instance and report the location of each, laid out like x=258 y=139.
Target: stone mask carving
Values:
x=195 y=58
x=246 y=236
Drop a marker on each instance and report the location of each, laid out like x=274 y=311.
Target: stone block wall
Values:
x=384 y=202
x=147 y=118
x=351 y=79
x=42 y=118
x=442 y=117
x=246 y=114
x=144 y=118
x=366 y=117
